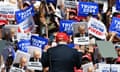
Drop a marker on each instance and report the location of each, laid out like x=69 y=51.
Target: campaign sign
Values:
x=15 y=69
x=7 y=11
x=104 y=67
x=117 y=4
x=97 y=28
x=67 y=26
x=115 y=26
x=27 y=25
x=22 y=45
x=23 y=36
x=115 y=68
x=86 y=66
x=87 y=7
x=81 y=40
x=70 y=4
x=38 y=41
x=3 y=22
x=35 y=66
x=20 y=54
x=23 y=14
x=80 y=34
x=32 y=49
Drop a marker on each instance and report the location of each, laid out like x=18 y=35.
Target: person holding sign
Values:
x=61 y=58
x=22 y=64
x=36 y=58
x=82 y=31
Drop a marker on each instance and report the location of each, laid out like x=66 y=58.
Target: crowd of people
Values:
x=60 y=54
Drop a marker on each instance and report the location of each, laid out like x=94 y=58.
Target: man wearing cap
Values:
x=61 y=58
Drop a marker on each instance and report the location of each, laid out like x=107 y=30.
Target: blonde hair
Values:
x=81 y=27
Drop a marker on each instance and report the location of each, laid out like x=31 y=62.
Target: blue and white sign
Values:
x=115 y=68
x=39 y=41
x=67 y=26
x=22 y=45
x=115 y=26
x=23 y=14
x=35 y=66
x=117 y=4
x=104 y=67
x=23 y=36
x=87 y=7
x=27 y=25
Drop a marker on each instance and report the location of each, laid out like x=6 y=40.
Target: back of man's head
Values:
x=62 y=37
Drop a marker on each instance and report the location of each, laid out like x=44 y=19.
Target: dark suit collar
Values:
x=36 y=60
x=62 y=44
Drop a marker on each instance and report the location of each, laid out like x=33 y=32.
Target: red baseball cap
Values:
x=61 y=36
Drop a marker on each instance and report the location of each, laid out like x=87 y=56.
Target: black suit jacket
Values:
x=79 y=35
x=32 y=59
x=61 y=59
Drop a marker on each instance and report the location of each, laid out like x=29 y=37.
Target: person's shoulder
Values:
x=32 y=59
x=59 y=46
x=51 y=48
x=77 y=34
x=73 y=49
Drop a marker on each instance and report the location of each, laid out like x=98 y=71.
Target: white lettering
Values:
x=37 y=42
x=88 y=8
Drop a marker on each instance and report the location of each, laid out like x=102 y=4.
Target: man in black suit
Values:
x=61 y=58
x=81 y=31
x=36 y=58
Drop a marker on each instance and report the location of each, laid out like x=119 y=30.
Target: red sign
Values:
x=2 y=22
